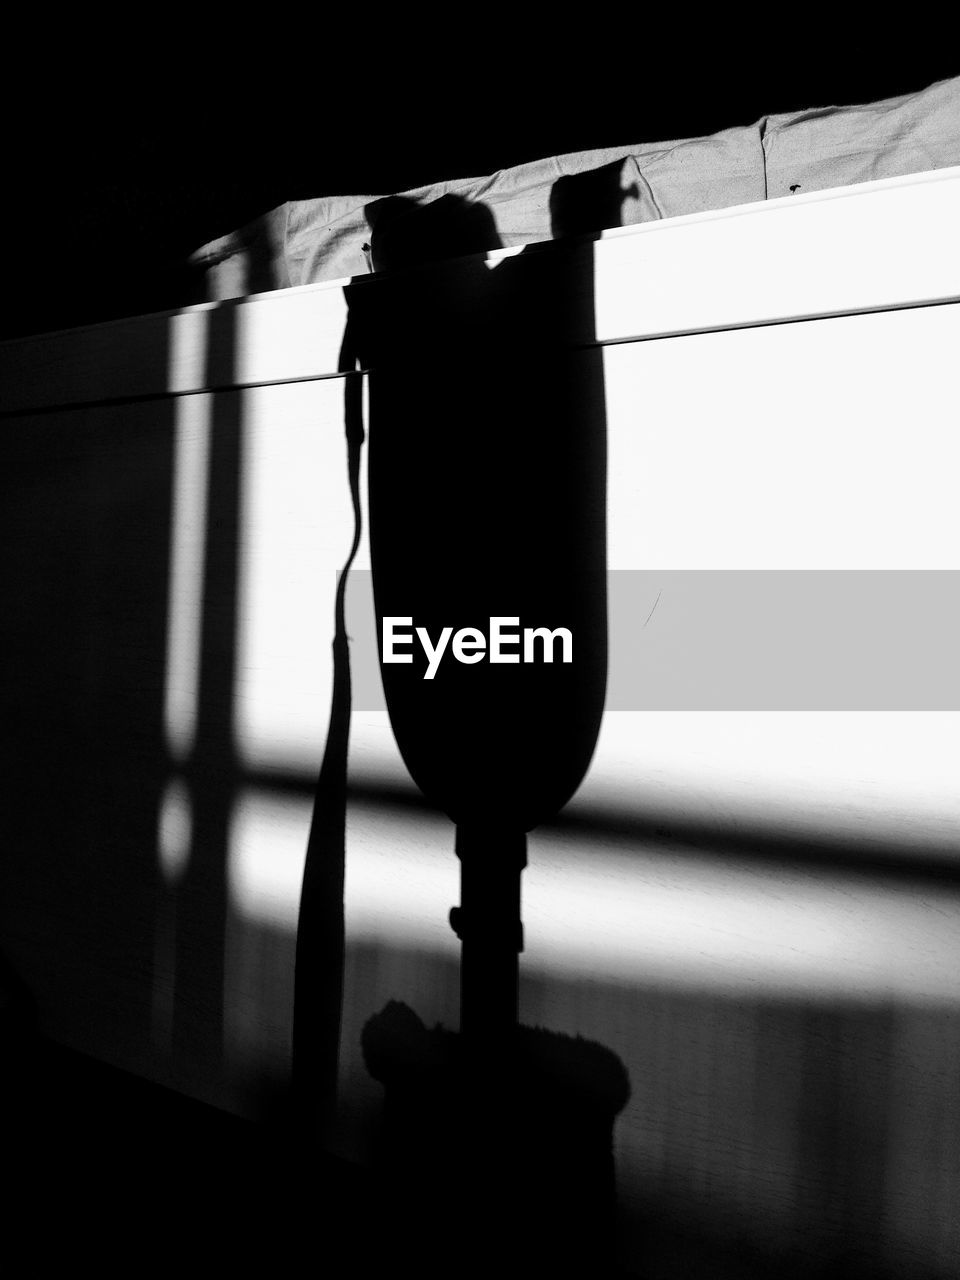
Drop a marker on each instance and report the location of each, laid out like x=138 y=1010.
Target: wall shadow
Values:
x=123 y=958
x=487 y=493
x=788 y=1129
x=318 y=973
x=766 y=1132
x=487 y=497
x=85 y=551
x=211 y=768
x=501 y=1160
x=770 y=1134
x=768 y=842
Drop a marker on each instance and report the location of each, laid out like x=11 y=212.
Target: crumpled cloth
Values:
x=329 y=238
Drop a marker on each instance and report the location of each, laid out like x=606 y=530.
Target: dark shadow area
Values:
x=104 y=1168
x=318 y=977
x=772 y=1137
x=487 y=484
x=86 y=555
x=95 y=1154
x=583 y=204
x=404 y=233
x=766 y=1132
x=211 y=769
x=127 y=961
x=771 y=842
x=95 y=247
x=84 y=563
x=517 y=1172
x=487 y=491
x=487 y=497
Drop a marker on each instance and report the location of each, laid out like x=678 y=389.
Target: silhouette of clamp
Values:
x=465 y=923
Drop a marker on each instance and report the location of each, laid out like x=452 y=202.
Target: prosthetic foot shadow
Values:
x=502 y=1155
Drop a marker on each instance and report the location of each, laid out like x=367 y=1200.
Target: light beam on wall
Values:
x=185 y=604
x=615 y=907
x=296 y=529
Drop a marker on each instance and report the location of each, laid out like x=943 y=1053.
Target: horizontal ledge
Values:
x=628 y=340
x=876 y=246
